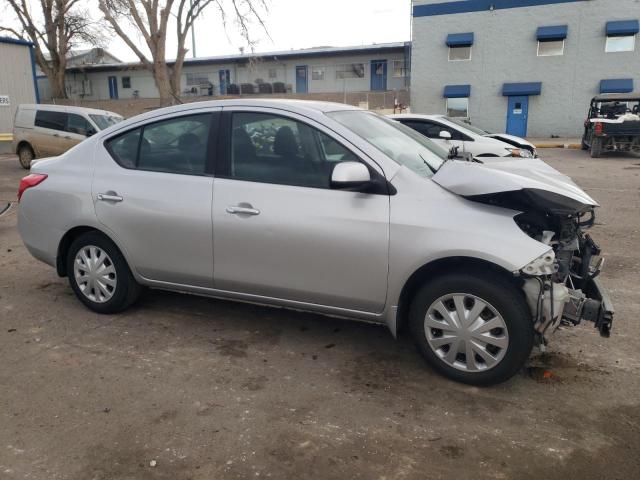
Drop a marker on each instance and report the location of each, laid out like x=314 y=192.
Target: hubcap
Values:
x=466 y=332
x=95 y=274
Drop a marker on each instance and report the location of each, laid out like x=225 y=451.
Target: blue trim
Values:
x=33 y=73
x=457 y=91
x=460 y=39
x=558 y=32
x=623 y=28
x=521 y=89
x=618 y=85
x=16 y=41
x=465 y=6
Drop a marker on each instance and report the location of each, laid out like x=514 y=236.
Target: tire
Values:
x=25 y=155
x=596 y=148
x=509 y=343
x=583 y=144
x=116 y=290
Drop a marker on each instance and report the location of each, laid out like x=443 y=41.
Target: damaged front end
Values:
x=561 y=286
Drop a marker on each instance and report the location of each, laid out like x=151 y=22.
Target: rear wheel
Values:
x=25 y=155
x=472 y=328
x=99 y=274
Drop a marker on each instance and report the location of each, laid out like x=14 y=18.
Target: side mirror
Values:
x=350 y=176
x=90 y=132
x=445 y=135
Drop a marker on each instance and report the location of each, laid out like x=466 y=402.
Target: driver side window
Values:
x=269 y=148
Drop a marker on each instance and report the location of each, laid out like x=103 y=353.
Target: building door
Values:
x=378 y=75
x=517 y=116
x=301 y=79
x=113 y=88
x=225 y=80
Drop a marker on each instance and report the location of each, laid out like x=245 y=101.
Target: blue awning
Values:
x=619 y=85
x=460 y=39
x=457 y=91
x=513 y=89
x=558 y=32
x=623 y=28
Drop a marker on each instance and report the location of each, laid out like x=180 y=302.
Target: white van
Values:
x=50 y=130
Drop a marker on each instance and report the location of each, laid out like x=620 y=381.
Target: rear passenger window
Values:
x=51 y=120
x=178 y=145
x=272 y=149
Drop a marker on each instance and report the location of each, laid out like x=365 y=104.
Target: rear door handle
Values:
x=239 y=210
x=108 y=197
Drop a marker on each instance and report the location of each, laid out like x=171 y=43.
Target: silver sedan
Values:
x=320 y=207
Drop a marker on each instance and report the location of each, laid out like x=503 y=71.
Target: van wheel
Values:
x=472 y=328
x=99 y=274
x=25 y=155
x=596 y=148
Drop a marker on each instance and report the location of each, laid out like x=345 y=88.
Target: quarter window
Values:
x=458 y=107
x=178 y=145
x=620 y=44
x=272 y=149
x=51 y=120
x=550 y=48
x=459 y=53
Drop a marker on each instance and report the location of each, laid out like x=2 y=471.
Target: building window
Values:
x=196 y=79
x=399 y=68
x=626 y=43
x=352 y=70
x=457 y=54
x=126 y=82
x=317 y=73
x=550 y=48
x=458 y=107
x=273 y=73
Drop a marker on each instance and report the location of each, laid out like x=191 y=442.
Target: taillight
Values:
x=598 y=128
x=30 y=181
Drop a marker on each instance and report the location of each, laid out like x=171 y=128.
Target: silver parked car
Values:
x=326 y=208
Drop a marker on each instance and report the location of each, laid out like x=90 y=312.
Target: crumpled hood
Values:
x=510 y=138
x=506 y=174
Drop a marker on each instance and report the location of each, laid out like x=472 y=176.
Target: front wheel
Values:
x=472 y=328
x=99 y=274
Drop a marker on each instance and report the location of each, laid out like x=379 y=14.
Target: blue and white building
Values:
x=528 y=67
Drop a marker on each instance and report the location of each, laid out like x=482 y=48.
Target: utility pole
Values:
x=193 y=32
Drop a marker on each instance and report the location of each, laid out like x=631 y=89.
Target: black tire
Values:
x=505 y=298
x=596 y=148
x=583 y=144
x=25 y=155
x=126 y=290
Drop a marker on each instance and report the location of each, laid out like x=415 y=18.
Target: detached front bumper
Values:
x=591 y=304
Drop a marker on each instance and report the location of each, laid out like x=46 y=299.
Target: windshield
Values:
x=468 y=126
x=105 y=121
x=402 y=144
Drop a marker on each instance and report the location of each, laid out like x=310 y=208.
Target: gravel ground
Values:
x=182 y=387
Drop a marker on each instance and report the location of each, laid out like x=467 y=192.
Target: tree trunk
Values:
x=57 y=83
x=163 y=83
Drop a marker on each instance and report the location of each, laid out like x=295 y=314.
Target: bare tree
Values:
x=151 y=19
x=55 y=28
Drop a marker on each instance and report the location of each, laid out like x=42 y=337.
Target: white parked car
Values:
x=451 y=132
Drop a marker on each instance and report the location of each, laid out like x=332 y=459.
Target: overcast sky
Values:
x=294 y=24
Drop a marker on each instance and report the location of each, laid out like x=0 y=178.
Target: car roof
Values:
x=418 y=115
x=609 y=97
x=308 y=107
x=66 y=108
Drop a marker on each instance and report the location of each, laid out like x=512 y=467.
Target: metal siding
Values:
x=16 y=80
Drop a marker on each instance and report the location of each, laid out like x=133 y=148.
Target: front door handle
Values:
x=109 y=197
x=242 y=210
